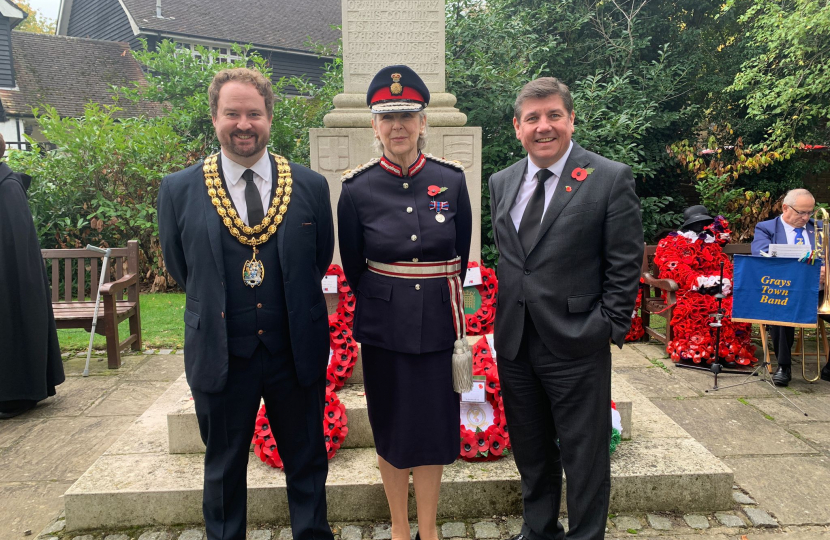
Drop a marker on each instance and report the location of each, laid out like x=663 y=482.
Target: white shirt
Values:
x=236 y=186
x=790 y=230
x=529 y=186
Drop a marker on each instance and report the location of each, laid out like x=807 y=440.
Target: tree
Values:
x=786 y=79
x=36 y=22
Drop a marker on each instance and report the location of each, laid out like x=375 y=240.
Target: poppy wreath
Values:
x=693 y=261
x=344 y=347
x=636 y=331
x=481 y=322
x=335 y=429
x=341 y=365
x=494 y=442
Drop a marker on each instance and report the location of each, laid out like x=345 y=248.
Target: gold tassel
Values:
x=462 y=366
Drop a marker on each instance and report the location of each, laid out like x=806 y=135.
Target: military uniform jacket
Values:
x=385 y=217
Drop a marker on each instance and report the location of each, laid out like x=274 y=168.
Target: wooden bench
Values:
x=76 y=309
x=652 y=289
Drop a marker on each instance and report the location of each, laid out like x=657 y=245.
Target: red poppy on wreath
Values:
x=497 y=443
x=579 y=174
x=481 y=322
x=468 y=445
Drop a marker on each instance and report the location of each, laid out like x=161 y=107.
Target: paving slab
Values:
x=75 y=396
x=792 y=533
x=382 y=532
x=12 y=430
x=703 y=381
x=70 y=443
x=116 y=537
x=259 y=534
x=74 y=366
x=629 y=357
x=817 y=407
x=486 y=529
x=650 y=350
x=192 y=534
x=129 y=398
x=158 y=368
x=285 y=534
x=696 y=521
x=627 y=523
x=350 y=532
x=760 y=518
x=793 y=488
x=655 y=382
x=728 y=519
x=742 y=498
x=817 y=433
x=155 y=535
x=514 y=526
x=455 y=529
x=727 y=427
x=29 y=506
x=659 y=523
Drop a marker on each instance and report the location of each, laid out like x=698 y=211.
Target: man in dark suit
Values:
x=793 y=226
x=235 y=232
x=567 y=226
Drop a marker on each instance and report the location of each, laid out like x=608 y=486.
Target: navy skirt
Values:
x=413 y=409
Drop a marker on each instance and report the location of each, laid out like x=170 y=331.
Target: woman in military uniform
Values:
x=404 y=228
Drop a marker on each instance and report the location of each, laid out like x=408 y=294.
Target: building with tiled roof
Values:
x=66 y=73
x=281 y=31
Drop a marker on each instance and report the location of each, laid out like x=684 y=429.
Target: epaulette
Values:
x=452 y=163
x=351 y=173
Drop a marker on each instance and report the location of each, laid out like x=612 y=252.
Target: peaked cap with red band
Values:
x=397 y=89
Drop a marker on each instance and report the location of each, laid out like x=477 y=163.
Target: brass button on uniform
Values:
x=260 y=332
x=409 y=210
x=259 y=306
x=417 y=287
x=414 y=237
x=406 y=185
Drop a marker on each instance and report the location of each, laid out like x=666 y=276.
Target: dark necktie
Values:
x=799 y=238
x=532 y=218
x=253 y=200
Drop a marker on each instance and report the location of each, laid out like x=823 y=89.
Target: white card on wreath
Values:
x=330 y=284
x=491 y=343
x=477 y=394
x=473 y=277
x=477 y=415
x=331 y=353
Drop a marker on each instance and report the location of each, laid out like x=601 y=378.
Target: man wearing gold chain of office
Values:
x=249 y=236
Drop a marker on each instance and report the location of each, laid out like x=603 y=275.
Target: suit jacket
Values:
x=772 y=231
x=580 y=279
x=189 y=231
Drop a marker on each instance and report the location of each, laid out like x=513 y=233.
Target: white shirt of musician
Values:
x=790 y=230
x=236 y=185
x=529 y=186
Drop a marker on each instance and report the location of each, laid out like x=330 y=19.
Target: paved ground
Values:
x=781 y=458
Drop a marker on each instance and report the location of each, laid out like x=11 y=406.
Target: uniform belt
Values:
x=450 y=270
x=417 y=270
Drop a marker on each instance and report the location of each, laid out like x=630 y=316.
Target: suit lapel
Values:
x=214 y=225
x=514 y=182
x=562 y=196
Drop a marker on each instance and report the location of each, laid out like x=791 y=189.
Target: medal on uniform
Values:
x=432 y=191
x=253 y=272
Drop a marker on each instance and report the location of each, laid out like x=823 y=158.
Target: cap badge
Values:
x=396 y=88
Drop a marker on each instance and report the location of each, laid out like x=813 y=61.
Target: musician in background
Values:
x=793 y=226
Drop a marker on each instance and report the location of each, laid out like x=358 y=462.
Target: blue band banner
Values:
x=772 y=290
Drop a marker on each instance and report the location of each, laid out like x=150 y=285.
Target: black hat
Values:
x=397 y=89
x=694 y=215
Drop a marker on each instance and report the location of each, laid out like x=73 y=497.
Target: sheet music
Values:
x=788 y=251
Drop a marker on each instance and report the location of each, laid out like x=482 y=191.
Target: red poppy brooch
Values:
x=581 y=174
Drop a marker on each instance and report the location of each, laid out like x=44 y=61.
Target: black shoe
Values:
x=26 y=405
x=519 y=536
x=825 y=372
x=783 y=376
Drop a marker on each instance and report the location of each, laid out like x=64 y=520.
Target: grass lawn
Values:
x=161 y=325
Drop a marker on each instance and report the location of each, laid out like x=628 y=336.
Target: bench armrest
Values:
x=668 y=285
x=114 y=287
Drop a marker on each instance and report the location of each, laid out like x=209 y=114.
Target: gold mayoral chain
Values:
x=254 y=271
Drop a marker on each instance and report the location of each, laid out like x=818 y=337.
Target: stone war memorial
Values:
x=152 y=475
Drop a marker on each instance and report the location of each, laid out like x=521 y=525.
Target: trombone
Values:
x=822 y=248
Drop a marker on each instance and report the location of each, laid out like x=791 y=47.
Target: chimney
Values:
x=158 y=9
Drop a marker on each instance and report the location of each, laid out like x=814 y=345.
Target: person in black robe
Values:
x=30 y=357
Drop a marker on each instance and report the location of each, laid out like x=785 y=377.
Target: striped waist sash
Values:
x=449 y=270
